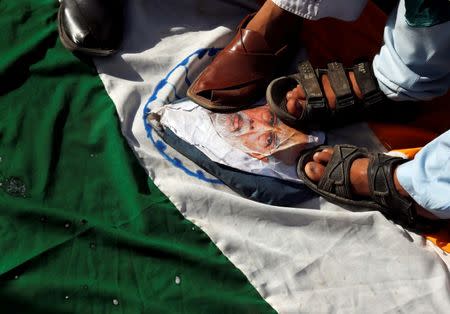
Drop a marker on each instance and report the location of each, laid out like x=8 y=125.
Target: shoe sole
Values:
x=207 y=104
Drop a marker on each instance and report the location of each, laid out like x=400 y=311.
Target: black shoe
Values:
x=93 y=27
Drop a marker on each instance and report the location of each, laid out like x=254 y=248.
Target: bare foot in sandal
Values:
x=296 y=98
x=359 y=178
x=326 y=97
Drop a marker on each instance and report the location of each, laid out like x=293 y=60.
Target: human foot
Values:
x=296 y=98
x=325 y=97
x=359 y=178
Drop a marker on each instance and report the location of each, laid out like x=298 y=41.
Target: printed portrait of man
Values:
x=259 y=133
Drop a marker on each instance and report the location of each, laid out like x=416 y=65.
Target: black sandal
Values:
x=317 y=113
x=335 y=184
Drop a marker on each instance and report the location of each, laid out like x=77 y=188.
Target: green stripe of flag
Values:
x=82 y=228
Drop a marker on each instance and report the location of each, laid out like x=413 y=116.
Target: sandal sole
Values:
x=207 y=104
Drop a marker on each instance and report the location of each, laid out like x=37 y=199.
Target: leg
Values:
x=239 y=75
x=275 y=24
x=277 y=19
x=412 y=64
x=427 y=177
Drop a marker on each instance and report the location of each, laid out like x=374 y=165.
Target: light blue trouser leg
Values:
x=414 y=63
x=427 y=177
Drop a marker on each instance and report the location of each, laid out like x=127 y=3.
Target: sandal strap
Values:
x=368 y=84
x=316 y=106
x=382 y=188
x=345 y=100
x=336 y=178
x=317 y=111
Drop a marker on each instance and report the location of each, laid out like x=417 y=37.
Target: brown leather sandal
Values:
x=239 y=74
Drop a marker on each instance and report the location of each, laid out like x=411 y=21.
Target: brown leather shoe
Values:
x=239 y=74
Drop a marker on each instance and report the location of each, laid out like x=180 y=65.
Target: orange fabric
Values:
x=394 y=136
x=409 y=153
x=441 y=239
x=329 y=40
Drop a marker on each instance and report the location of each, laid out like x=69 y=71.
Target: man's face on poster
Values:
x=258 y=132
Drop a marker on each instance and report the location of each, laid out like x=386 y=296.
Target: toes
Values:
x=294 y=107
x=295 y=101
x=298 y=93
x=316 y=168
x=314 y=171
x=323 y=156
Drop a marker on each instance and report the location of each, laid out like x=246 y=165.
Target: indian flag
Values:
x=99 y=215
